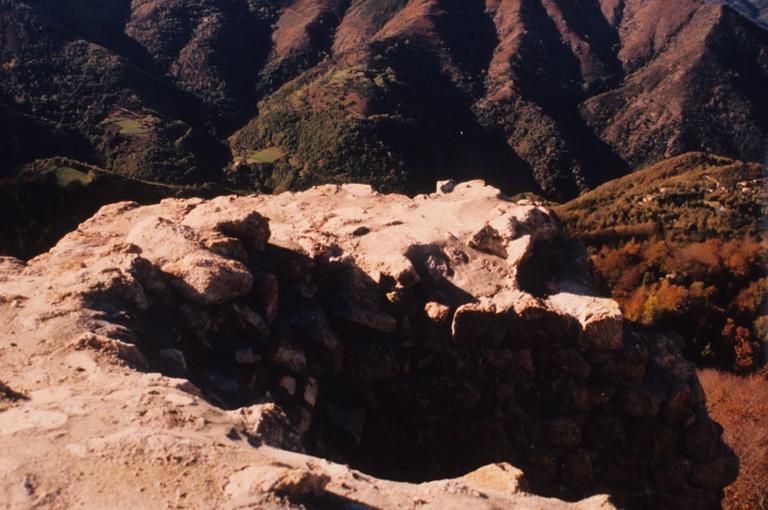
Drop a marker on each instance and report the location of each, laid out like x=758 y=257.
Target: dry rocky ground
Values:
x=210 y=354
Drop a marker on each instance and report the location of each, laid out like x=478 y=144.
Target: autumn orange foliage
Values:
x=740 y=404
x=714 y=293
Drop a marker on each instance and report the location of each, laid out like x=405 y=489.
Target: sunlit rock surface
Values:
x=211 y=354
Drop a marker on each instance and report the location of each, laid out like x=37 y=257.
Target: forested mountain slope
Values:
x=682 y=247
x=542 y=95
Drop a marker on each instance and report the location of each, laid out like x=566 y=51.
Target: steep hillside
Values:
x=682 y=246
x=532 y=95
x=691 y=197
x=755 y=9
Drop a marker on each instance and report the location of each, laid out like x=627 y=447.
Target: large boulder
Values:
x=200 y=275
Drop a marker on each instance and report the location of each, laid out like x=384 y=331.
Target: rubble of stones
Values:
x=413 y=339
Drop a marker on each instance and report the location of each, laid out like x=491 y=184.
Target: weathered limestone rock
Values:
x=489 y=240
x=500 y=477
x=398 y=269
x=479 y=323
x=120 y=350
x=411 y=338
x=277 y=480
x=198 y=274
x=600 y=318
x=227 y=247
x=232 y=217
x=208 y=280
x=268 y=424
x=437 y=312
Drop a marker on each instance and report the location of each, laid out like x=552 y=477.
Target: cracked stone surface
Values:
x=244 y=352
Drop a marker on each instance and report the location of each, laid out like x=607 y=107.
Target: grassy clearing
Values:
x=268 y=155
x=132 y=127
x=67 y=176
x=131 y=124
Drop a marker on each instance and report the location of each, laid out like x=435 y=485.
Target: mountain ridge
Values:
x=545 y=97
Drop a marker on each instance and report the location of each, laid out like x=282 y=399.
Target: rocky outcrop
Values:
x=415 y=339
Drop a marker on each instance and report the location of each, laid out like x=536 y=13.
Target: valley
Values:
x=541 y=97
